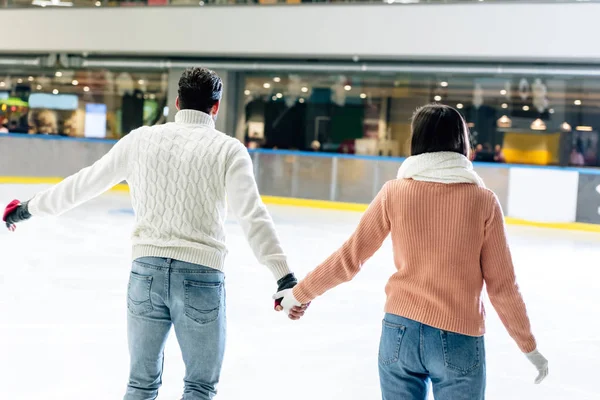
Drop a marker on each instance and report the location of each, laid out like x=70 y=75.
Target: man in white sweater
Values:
x=180 y=175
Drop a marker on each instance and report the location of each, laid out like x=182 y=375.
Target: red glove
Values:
x=15 y=212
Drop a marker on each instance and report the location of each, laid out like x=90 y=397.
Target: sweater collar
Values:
x=194 y=117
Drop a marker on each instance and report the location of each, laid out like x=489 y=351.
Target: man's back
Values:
x=176 y=173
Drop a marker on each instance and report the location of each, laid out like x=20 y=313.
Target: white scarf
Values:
x=440 y=167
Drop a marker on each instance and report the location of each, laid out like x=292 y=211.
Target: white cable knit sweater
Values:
x=179 y=175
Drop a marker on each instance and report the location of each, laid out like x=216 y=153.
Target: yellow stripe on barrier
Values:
x=570 y=226
x=322 y=204
x=28 y=180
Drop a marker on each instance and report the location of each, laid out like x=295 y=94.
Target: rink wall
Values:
x=541 y=196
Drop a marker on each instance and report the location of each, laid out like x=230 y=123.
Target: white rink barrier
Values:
x=545 y=196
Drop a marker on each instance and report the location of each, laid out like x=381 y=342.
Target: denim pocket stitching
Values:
x=399 y=332
x=134 y=305
x=212 y=285
x=451 y=366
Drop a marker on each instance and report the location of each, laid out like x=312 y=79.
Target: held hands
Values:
x=14 y=213
x=540 y=362
x=285 y=300
x=288 y=303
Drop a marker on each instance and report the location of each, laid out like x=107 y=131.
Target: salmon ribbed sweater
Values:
x=448 y=240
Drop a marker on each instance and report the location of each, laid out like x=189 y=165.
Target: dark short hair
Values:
x=437 y=127
x=199 y=89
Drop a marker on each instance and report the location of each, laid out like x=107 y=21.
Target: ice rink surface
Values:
x=63 y=312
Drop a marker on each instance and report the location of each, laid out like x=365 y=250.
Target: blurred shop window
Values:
x=511 y=119
x=81 y=103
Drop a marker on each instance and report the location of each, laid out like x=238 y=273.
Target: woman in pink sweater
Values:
x=449 y=239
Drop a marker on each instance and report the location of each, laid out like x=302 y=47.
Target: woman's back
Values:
x=438 y=232
x=448 y=240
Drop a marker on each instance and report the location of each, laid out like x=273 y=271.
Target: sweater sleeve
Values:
x=347 y=261
x=246 y=204
x=85 y=184
x=499 y=275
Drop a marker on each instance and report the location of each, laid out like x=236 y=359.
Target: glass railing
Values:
x=196 y=3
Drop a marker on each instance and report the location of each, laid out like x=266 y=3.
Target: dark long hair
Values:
x=437 y=127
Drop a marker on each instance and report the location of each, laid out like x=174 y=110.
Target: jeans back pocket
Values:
x=391 y=339
x=462 y=353
x=138 y=294
x=202 y=300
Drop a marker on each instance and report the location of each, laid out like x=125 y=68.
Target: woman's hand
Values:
x=540 y=363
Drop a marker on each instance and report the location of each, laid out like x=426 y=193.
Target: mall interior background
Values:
x=519 y=109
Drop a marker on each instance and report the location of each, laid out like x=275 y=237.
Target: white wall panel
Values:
x=542 y=195
x=464 y=32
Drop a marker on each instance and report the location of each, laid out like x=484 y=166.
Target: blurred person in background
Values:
x=180 y=175
x=448 y=239
x=576 y=158
x=13 y=127
x=42 y=122
x=498 y=154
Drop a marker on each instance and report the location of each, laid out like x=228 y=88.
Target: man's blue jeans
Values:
x=164 y=292
x=411 y=354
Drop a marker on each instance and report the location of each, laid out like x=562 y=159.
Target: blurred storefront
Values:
x=514 y=119
x=97 y=103
x=522 y=114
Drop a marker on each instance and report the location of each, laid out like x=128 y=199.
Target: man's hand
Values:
x=287 y=282
x=14 y=213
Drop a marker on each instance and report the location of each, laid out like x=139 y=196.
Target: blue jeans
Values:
x=411 y=354
x=164 y=292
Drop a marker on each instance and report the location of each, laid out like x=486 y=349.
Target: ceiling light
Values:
x=503 y=92
x=141 y=81
x=525 y=108
x=30 y=79
x=98 y=4
x=301 y=100
x=438 y=98
x=538 y=125
x=551 y=111
x=459 y=106
x=247 y=92
x=304 y=89
x=577 y=102
x=58 y=74
x=55 y=91
x=363 y=95
x=39 y=87
x=75 y=82
x=565 y=127
x=274 y=98
x=266 y=85
x=86 y=89
x=279 y=95
x=444 y=84
x=347 y=88
x=504 y=105
x=19 y=80
x=584 y=128
x=504 y=122
x=152 y=96
x=277 y=79
x=2 y=84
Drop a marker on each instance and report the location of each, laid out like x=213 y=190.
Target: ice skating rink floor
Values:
x=63 y=313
